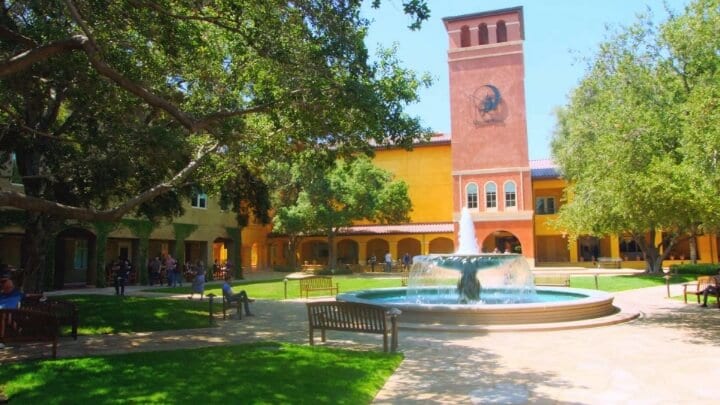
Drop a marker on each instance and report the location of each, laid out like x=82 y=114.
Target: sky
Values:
x=559 y=34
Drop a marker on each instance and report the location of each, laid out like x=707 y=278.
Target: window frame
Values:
x=514 y=194
x=491 y=197
x=545 y=210
x=199 y=200
x=468 y=196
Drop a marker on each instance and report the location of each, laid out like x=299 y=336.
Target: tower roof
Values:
x=491 y=13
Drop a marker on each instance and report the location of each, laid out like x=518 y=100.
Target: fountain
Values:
x=470 y=289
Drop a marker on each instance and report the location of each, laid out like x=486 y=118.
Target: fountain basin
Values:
x=552 y=305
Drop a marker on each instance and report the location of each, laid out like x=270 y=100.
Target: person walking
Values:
x=388 y=262
x=170 y=267
x=198 y=284
x=406 y=262
x=121 y=274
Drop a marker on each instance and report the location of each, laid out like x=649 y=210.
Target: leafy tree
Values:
x=639 y=140
x=332 y=197
x=115 y=108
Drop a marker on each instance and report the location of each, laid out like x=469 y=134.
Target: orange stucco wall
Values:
x=426 y=170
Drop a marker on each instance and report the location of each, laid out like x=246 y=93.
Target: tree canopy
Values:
x=324 y=198
x=639 y=140
x=115 y=108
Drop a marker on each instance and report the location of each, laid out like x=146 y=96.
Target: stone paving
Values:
x=667 y=356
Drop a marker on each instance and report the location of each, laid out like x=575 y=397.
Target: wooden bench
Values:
x=555 y=280
x=699 y=286
x=318 y=283
x=24 y=325
x=228 y=305
x=66 y=312
x=609 y=262
x=353 y=317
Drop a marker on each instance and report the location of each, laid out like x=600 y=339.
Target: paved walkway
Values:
x=667 y=356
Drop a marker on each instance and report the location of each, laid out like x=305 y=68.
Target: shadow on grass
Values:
x=255 y=373
x=102 y=314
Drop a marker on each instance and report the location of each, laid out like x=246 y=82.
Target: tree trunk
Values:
x=39 y=230
x=293 y=243
x=693 y=248
x=653 y=257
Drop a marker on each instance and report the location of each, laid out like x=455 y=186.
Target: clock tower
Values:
x=490 y=166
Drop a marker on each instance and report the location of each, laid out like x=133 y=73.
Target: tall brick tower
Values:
x=490 y=167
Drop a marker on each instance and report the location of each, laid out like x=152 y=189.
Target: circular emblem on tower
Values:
x=486 y=102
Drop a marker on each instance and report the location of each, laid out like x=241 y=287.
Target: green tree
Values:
x=112 y=107
x=332 y=197
x=638 y=141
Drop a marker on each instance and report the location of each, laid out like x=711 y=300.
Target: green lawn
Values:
x=275 y=289
x=100 y=314
x=264 y=373
x=622 y=283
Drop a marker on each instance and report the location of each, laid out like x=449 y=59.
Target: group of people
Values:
x=406 y=262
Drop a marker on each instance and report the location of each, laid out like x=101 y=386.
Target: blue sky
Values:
x=558 y=33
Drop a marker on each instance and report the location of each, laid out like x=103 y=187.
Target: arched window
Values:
x=501 y=31
x=464 y=36
x=490 y=195
x=483 y=38
x=471 y=193
x=510 y=195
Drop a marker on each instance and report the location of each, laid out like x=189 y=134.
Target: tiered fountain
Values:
x=473 y=288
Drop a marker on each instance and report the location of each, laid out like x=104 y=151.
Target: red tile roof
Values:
x=436 y=227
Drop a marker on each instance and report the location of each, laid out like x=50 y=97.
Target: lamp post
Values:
x=667 y=281
x=210 y=309
x=285 y=281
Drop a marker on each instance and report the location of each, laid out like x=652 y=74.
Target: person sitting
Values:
x=239 y=297
x=711 y=289
x=10 y=296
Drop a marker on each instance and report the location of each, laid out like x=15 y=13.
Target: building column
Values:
x=362 y=253
x=615 y=246
x=573 y=246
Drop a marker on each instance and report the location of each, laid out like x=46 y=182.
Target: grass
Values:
x=260 y=373
x=275 y=289
x=104 y=314
x=623 y=283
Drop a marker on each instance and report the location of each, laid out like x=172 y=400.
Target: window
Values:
x=472 y=195
x=501 y=31
x=510 y=195
x=199 y=200
x=483 y=38
x=544 y=205
x=490 y=195
x=464 y=36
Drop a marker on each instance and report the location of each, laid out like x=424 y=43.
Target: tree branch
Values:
x=35 y=204
x=24 y=60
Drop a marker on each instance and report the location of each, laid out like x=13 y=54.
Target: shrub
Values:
x=705 y=269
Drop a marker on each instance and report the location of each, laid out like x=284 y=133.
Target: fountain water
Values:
x=466 y=275
x=473 y=288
